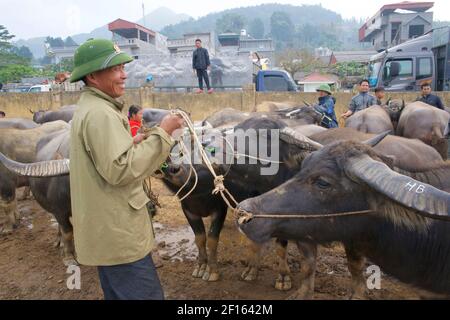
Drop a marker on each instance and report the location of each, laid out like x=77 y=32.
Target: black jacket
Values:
x=432 y=100
x=200 y=59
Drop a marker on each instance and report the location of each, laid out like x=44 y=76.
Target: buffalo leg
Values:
x=68 y=245
x=356 y=263
x=198 y=227
x=254 y=261
x=308 y=252
x=8 y=209
x=212 y=271
x=284 y=281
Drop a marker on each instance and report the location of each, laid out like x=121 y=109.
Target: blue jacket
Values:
x=432 y=100
x=326 y=107
x=200 y=59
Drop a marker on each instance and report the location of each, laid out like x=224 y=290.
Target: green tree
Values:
x=55 y=42
x=15 y=72
x=69 y=42
x=23 y=52
x=5 y=38
x=230 y=22
x=256 y=28
x=281 y=27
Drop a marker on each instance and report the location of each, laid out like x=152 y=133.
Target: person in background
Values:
x=429 y=98
x=2 y=114
x=200 y=64
x=135 y=114
x=362 y=101
x=326 y=107
x=380 y=94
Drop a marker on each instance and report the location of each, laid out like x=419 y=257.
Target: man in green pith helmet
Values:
x=326 y=107
x=112 y=229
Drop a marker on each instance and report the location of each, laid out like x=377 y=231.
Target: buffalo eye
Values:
x=322 y=184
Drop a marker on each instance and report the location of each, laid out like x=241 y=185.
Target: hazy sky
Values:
x=33 y=18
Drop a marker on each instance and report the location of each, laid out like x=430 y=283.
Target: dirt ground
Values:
x=31 y=267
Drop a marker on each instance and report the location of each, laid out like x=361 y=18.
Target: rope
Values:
x=219 y=186
x=245 y=216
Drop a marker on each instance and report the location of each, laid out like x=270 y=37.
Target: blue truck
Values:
x=274 y=80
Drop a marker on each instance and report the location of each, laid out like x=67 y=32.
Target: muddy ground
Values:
x=31 y=267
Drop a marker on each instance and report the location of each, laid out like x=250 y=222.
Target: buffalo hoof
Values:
x=250 y=274
x=199 y=271
x=283 y=283
x=210 y=276
x=70 y=261
x=6 y=231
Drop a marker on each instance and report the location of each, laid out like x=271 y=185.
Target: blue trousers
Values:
x=132 y=281
x=202 y=74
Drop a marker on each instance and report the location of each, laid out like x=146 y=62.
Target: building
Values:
x=313 y=81
x=137 y=40
x=186 y=45
x=244 y=45
x=131 y=38
x=329 y=57
x=396 y=23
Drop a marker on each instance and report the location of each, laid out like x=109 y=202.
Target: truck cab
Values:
x=406 y=66
x=403 y=67
x=274 y=80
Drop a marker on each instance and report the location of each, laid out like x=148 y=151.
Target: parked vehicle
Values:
x=406 y=66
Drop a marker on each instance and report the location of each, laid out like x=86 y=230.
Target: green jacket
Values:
x=110 y=219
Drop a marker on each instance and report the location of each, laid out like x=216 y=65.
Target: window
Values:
x=404 y=66
x=275 y=83
x=424 y=68
x=416 y=31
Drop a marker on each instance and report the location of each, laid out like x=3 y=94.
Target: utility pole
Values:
x=143 y=14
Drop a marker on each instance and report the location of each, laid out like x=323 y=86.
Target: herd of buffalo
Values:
x=389 y=162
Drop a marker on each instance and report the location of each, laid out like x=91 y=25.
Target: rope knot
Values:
x=219 y=185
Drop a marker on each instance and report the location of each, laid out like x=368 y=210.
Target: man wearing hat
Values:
x=326 y=107
x=112 y=229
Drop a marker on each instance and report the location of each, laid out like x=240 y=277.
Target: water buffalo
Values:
x=17 y=123
x=397 y=234
x=406 y=153
x=377 y=119
x=153 y=117
x=19 y=145
x=201 y=203
x=424 y=122
x=65 y=113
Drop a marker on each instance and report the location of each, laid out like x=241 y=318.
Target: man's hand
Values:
x=171 y=122
x=347 y=114
x=139 y=138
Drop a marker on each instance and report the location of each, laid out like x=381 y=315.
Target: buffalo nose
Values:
x=174 y=169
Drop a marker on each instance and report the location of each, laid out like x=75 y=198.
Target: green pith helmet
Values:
x=95 y=55
x=325 y=88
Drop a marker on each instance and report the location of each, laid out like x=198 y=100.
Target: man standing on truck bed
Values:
x=429 y=98
x=362 y=101
x=200 y=64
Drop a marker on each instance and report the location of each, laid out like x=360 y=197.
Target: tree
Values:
x=55 y=42
x=13 y=73
x=230 y=22
x=69 y=42
x=256 y=28
x=5 y=38
x=23 y=52
x=294 y=61
x=281 y=27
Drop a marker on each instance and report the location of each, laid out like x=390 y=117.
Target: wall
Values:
x=200 y=106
